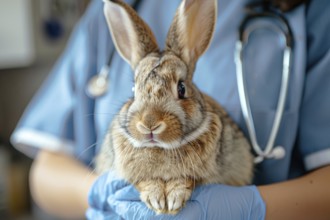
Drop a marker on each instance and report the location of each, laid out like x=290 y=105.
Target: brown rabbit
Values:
x=170 y=136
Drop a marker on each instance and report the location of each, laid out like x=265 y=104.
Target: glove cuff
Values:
x=258 y=207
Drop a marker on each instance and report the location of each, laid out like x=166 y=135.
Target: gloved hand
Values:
x=99 y=208
x=207 y=202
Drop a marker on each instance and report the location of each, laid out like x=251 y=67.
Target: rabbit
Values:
x=170 y=137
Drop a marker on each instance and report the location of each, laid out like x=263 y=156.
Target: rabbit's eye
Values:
x=181 y=90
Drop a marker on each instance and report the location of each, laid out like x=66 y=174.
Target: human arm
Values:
x=60 y=184
x=307 y=197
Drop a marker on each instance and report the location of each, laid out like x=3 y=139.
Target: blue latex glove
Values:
x=99 y=208
x=207 y=202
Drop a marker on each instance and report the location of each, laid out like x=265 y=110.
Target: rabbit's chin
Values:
x=174 y=144
x=155 y=143
x=171 y=145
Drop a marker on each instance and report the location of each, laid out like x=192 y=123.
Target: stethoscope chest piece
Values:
x=98 y=84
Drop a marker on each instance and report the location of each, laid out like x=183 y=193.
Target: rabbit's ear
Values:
x=132 y=37
x=192 y=29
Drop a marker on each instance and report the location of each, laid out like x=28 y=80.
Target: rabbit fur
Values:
x=162 y=143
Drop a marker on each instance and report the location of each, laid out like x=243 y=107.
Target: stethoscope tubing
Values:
x=269 y=151
x=267 y=14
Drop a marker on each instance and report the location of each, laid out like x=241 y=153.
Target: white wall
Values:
x=18 y=83
x=16 y=33
x=20 y=80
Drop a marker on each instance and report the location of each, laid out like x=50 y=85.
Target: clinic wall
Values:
x=18 y=84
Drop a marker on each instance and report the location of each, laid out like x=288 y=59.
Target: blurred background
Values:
x=33 y=34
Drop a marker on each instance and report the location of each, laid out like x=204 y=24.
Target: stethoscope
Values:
x=98 y=85
x=247 y=27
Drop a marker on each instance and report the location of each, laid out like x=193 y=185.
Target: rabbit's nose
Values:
x=149 y=128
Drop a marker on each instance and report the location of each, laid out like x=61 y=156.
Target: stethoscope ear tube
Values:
x=270 y=151
x=98 y=84
x=283 y=23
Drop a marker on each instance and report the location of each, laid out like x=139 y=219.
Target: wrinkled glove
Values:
x=99 y=208
x=119 y=200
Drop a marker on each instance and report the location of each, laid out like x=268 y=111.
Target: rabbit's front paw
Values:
x=152 y=193
x=165 y=198
x=177 y=194
x=176 y=199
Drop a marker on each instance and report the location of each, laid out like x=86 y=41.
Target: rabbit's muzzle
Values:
x=155 y=126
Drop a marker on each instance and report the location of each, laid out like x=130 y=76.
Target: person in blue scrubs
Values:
x=63 y=128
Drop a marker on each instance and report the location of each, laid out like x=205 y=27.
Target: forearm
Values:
x=307 y=197
x=60 y=184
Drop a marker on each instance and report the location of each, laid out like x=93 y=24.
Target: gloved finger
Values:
x=96 y=214
x=204 y=190
x=106 y=184
x=137 y=210
x=98 y=193
x=192 y=211
x=130 y=193
x=217 y=200
x=127 y=193
x=115 y=182
x=230 y=202
x=133 y=210
x=126 y=203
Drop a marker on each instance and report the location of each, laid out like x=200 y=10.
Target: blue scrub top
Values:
x=63 y=118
